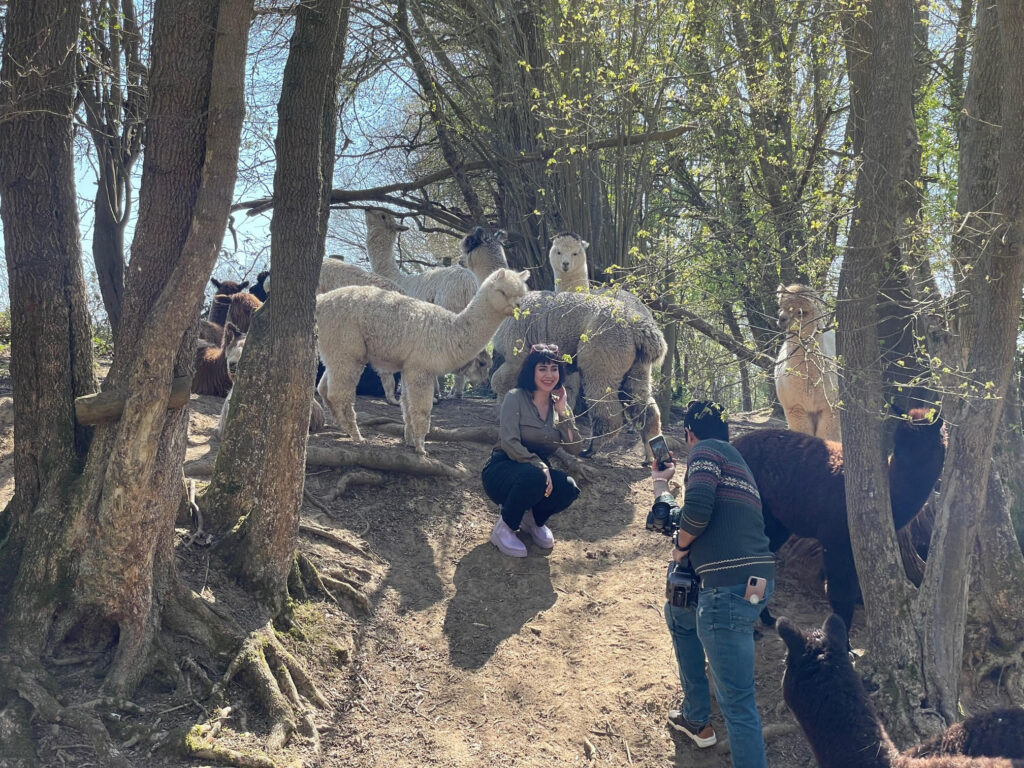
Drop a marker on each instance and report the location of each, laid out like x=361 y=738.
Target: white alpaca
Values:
x=335 y=273
x=392 y=332
x=805 y=371
x=449 y=287
x=568 y=260
x=611 y=335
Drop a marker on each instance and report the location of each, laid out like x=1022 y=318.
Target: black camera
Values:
x=663 y=517
x=682 y=585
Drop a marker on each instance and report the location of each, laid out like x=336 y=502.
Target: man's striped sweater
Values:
x=722 y=508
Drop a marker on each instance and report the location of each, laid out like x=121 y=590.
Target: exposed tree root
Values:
x=578 y=468
x=200 y=743
x=354 y=477
x=28 y=679
x=338 y=539
x=281 y=686
x=486 y=435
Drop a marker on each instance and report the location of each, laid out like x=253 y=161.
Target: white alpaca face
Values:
x=568 y=254
x=507 y=289
x=233 y=354
x=379 y=219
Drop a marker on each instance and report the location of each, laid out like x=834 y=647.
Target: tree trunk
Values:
x=51 y=338
x=888 y=596
x=100 y=560
x=263 y=450
x=996 y=304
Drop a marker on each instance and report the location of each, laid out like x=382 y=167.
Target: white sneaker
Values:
x=505 y=539
x=541 y=534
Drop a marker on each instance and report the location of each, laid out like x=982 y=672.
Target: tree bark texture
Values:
x=996 y=301
x=260 y=471
x=51 y=338
x=888 y=115
x=113 y=540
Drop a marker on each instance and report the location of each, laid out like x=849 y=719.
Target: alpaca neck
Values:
x=572 y=282
x=380 y=248
x=471 y=329
x=911 y=480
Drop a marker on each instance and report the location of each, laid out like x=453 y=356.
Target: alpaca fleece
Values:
x=825 y=693
x=392 y=332
x=806 y=379
x=803 y=491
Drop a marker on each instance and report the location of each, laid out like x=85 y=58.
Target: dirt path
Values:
x=469 y=658
x=472 y=658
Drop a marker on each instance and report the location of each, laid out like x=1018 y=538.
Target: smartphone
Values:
x=755 y=589
x=660 y=450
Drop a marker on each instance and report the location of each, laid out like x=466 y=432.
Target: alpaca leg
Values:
x=387 y=383
x=828 y=425
x=337 y=389
x=604 y=406
x=460 y=385
x=841 y=579
x=417 y=401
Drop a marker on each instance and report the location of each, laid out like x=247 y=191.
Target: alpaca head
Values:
x=381 y=220
x=478 y=370
x=234 y=343
x=229 y=287
x=819 y=683
x=483 y=252
x=918 y=426
x=504 y=289
x=800 y=309
x=568 y=254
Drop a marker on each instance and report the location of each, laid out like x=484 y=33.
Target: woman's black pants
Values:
x=518 y=486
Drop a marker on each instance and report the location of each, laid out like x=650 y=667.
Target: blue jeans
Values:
x=722 y=627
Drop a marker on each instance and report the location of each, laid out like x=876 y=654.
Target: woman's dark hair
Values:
x=706 y=420
x=542 y=355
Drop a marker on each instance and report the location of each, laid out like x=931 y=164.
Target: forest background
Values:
x=707 y=151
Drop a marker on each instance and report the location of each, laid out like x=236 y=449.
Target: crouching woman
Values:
x=535 y=419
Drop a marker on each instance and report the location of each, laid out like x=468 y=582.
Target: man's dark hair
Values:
x=706 y=420
x=526 y=373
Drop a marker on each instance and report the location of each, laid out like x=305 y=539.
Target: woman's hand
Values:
x=549 y=487
x=561 y=402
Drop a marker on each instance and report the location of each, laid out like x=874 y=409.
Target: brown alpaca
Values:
x=826 y=695
x=803 y=491
x=210 y=332
x=211 y=377
x=219 y=309
x=240 y=310
x=229 y=287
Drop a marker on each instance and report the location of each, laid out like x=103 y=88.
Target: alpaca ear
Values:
x=585 y=244
x=524 y=275
x=834 y=630
x=781 y=290
x=791 y=635
x=243 y=285
x=216 y=284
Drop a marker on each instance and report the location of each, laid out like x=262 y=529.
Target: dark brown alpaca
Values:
x=219 y=309
x=803 y=491
x=828 y=699
x=211 y=376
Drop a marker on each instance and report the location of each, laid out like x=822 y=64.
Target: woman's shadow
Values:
x=494 y=596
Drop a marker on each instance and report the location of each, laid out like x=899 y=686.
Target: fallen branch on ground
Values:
x=389 y=458
x=486 y=435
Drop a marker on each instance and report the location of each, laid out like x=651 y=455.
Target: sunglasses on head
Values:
x=545 y=349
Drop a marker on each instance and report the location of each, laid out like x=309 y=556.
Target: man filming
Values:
x=721 y=546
